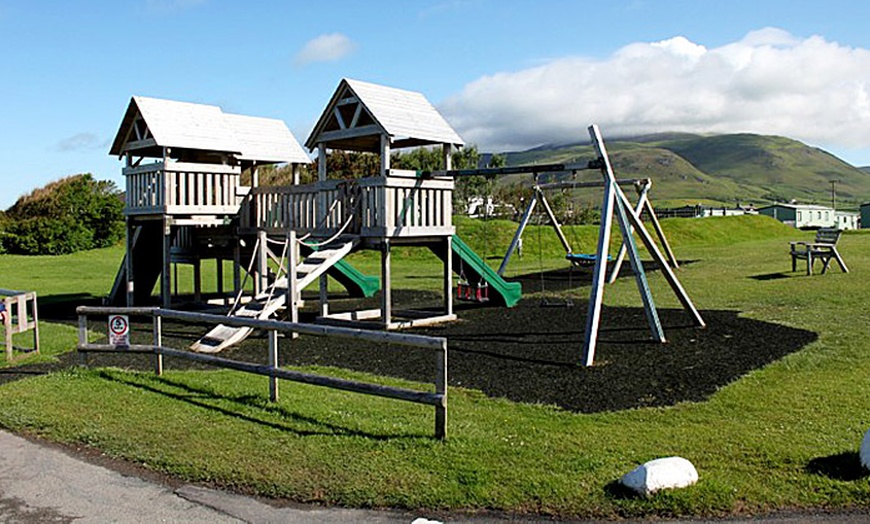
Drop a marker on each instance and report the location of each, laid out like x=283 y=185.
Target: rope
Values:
x=354 y=206
x=245 y=280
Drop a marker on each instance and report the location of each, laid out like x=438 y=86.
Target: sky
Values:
x=506 y=74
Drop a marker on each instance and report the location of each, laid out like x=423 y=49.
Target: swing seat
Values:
x=472 y=293
x=581 y=259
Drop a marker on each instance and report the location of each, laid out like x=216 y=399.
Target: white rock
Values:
x=865 y=450
x=421 y=520
x=663 y=473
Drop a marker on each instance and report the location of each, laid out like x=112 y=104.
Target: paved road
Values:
x=44 y=484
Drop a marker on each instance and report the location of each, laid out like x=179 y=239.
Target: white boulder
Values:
x=663 y=473
x=865 y=450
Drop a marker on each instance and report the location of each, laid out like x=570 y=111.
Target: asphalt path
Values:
x=45 y=484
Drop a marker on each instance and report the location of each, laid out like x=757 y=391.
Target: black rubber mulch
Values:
x=531 y=353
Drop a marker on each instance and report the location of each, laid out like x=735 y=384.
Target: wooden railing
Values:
x=436 y=345
x=381 y=207
x=177 y=188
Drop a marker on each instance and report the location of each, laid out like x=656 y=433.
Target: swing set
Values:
x=616 y=205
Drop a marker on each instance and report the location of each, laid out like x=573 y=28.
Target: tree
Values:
x=68 y=215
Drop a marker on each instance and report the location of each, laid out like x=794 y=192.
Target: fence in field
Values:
x=438 y=345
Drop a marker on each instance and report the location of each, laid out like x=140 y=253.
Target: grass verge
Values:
x=784 y=436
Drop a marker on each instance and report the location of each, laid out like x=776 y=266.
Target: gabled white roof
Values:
x=204 y=127
x=265 y=140
x=406 y=116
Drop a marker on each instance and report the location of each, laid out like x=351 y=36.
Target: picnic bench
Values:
x=823 y=248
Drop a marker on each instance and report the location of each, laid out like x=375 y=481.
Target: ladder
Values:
x=273 y=298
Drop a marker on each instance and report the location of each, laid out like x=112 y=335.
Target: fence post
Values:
x=158 y=342
x=273 y=364
x=441 y=389
x=83 y=339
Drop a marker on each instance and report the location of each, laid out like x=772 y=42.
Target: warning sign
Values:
x=119 y=330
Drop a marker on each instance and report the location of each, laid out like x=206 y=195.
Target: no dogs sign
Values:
x=119 y=330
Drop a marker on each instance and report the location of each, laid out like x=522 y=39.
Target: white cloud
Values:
x=325 y=48
x=769 y=82
x=80 y=141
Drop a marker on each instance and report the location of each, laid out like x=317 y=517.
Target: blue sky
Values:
x=506 y=74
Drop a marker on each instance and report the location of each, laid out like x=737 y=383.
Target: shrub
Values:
x=65 y=216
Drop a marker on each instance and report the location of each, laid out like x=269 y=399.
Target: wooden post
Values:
x=668 y=273
x=649 y=306
x=524 y=221
x=166 y=275
x=131 y=236
x=385 y=154
x=555 y=224
x=660 y=233
x=323 y=281
x=620 y=258
x=237 y=269
x=441 y=389
x=36 y=323
x=386 y=284
x=593 y=315
x=83 y=338
x=262 y=280
x=7 y=326
x=273 y=365
x=448 y=275
x=197 y=280
x=292 y=282
x=447 y=151
x=219 y=276
x=158 y=342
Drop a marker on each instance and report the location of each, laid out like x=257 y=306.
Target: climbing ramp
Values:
x=273 y=298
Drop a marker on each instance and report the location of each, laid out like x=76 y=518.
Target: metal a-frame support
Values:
x=616 y=203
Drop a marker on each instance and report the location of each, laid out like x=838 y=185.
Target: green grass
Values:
x=754 y=442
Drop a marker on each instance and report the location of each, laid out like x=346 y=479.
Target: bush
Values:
x=69 y=215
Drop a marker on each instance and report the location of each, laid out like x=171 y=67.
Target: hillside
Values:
x=724 y=168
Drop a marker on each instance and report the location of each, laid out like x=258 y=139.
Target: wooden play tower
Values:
x=395 y=207
x=186 y=205
x=183 y=166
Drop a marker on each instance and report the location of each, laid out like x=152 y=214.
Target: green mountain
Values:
x=723 y=168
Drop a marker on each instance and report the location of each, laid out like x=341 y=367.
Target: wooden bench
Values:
x=823 y=248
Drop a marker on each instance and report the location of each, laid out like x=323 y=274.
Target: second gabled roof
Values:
x=359 y=112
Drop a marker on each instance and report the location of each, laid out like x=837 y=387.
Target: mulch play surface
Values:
x=531 y=353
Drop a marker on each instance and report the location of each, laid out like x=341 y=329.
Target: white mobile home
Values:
x=801 y=216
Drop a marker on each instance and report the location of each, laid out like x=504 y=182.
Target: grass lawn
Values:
x=784 y=436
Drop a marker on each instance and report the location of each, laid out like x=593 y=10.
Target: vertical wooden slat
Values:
x=158 y=342
x=273 y=365
x=441 y=389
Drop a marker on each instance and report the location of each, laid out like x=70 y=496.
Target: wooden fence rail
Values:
x=438 y=345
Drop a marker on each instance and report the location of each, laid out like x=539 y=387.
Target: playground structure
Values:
x=189 y=206
x=21 y=315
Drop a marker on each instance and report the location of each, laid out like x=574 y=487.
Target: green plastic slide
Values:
x=501 y=292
